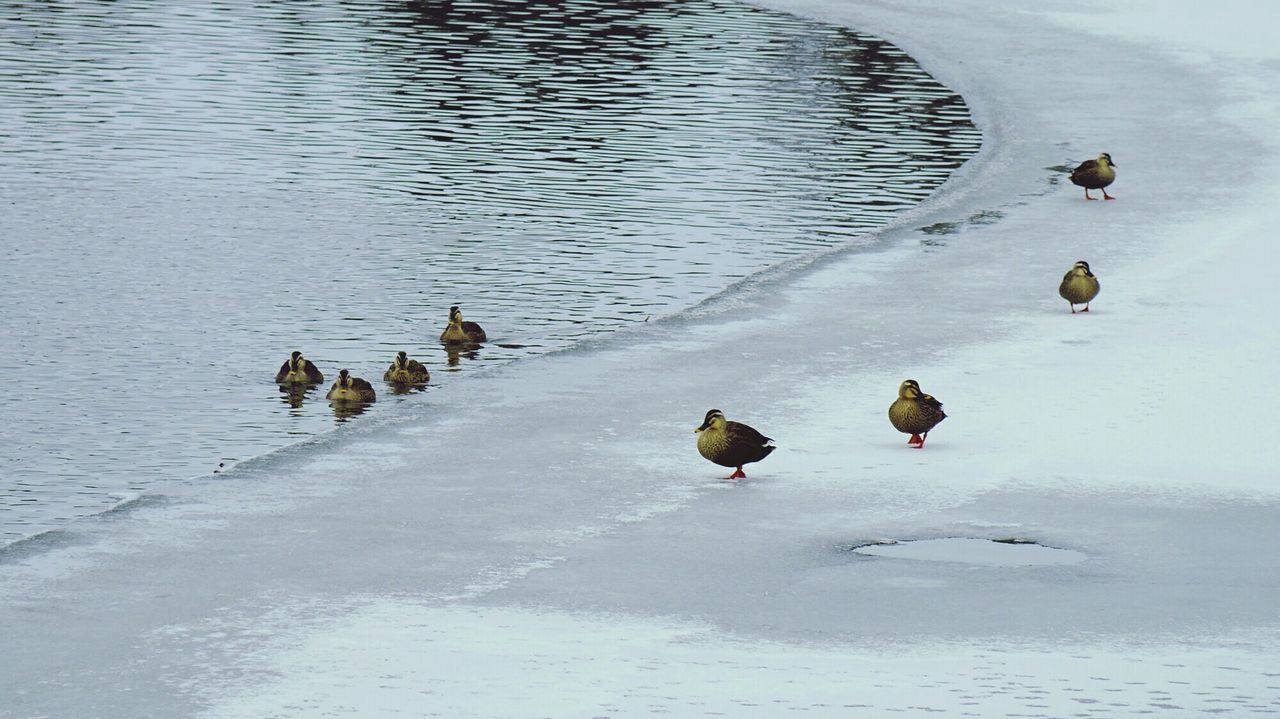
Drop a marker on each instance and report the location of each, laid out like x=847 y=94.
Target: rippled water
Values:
x=191 y=190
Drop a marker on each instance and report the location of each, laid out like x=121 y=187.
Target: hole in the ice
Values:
x=1002 y=552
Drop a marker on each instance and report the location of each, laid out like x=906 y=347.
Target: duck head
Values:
x=909 y=389
x=714 y=420
x=344 y=379
x=455 y=315
x=402 y=359
x=295 y=360
x=1082 y=268
x=1105 y=159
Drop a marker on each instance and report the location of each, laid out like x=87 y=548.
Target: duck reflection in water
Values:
x=294 y=394
x=398 y=388
x=455 y=352
x=344 y=410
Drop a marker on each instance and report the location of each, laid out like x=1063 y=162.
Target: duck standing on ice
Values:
x=915 y=413
x=1095 y=175
x=731 y=444
x=1079 y=286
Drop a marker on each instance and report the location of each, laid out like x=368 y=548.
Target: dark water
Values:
x=191 y=190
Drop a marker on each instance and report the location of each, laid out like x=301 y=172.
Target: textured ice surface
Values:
x=551 y=518
x=469 y=662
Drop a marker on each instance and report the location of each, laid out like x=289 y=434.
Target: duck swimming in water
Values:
x=915 y=413
x=404 y=370
x=298 y=370
x=1095 y=175
x=731 y=444
x=459 y=331
x=1079 y=286
x=350 y=389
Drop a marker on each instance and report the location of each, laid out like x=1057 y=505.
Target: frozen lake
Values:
x=1091 y=533
x=192 y=192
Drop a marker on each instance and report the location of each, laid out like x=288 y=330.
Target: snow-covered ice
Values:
x=543 y=540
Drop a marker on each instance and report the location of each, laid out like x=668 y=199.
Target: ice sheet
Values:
x=460 y=662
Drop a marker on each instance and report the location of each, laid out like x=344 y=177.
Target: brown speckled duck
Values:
x=915 y=413
x=351 y=389
x=1095 y=175
x=1079 y=286
x=460 y=332
x=298 y=370
x=731 y=444
x=404 y=370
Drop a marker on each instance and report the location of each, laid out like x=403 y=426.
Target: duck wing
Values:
x=1085 y=170
x=745 y=435
x=313 y=372
x=474 y=331
x=745 y=444
x=418 y=371
x=932 y=407
x=284 y=371
x=1086 y=166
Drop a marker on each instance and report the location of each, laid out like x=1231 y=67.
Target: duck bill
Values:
x=704 y=426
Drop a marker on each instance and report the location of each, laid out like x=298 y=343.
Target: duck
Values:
x=351 y=389
x=298 y=370
x=1079 y=286
x=406 y=371
x=1095 y=175
x=731 y=444
x=461 y=332
x=915 y=413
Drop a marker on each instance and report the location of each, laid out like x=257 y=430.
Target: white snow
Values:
x=543 y=539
